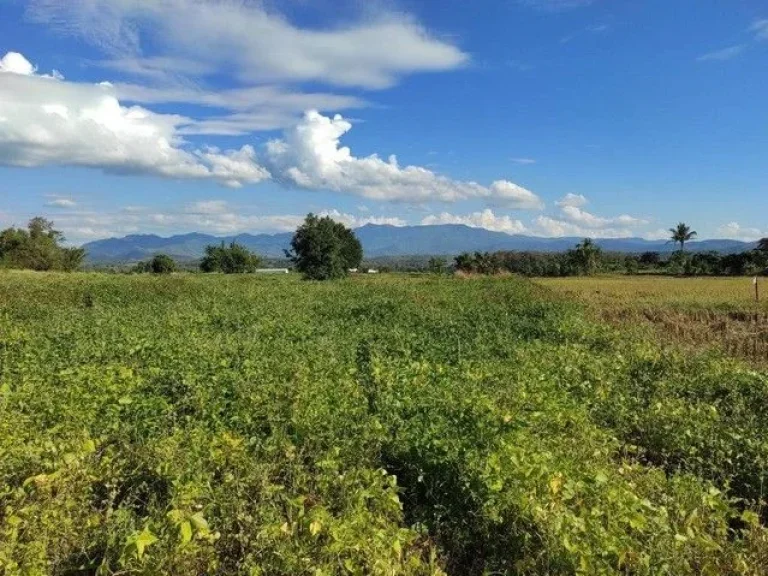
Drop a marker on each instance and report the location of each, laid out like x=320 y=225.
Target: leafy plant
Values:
x=232 y=259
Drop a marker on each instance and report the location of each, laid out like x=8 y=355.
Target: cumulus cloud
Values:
x=583 y=218
x=570 y=199
x=353 y=221
x=45 y=120
x=484 y=219
x=736 y=231
x=15 y=63
x=554 y=227
x=256 y=44
x=573 y=220
x=310 y=155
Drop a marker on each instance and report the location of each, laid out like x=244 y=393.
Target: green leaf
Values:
x=144 y=540
x=199 y=522
x=185 y=529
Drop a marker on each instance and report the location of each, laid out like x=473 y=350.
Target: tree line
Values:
x=322 y=249
x=588 y=258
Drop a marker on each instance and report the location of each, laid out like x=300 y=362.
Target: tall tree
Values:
x=586 y=256
x=323 y=249
x=681 y=234
x=38 y=248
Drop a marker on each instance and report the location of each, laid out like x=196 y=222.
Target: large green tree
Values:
x=323 y=249
x=39 y=247
x=681 y=234
x=232 y=259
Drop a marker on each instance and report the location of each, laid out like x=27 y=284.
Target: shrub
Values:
x=232 y=259
x=162 y=264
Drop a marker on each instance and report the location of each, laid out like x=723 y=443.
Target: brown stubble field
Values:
x=717 y=313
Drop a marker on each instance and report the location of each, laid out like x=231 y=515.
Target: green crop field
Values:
x=241 y=425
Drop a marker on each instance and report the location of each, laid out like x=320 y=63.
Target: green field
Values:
x=386 y=425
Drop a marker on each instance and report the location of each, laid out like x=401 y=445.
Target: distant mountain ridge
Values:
x=384 y=240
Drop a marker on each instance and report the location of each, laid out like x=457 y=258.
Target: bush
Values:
x=232 y=259
x=38 y=248
x=162 y=264
x=323 y=249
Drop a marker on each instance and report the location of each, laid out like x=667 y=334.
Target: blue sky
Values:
x=544 y=117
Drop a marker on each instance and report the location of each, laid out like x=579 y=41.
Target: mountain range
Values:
x=382 y=240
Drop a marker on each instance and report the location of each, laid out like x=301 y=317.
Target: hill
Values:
x=380 y=240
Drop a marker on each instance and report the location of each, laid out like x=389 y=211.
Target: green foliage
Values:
x=323 y=249
x=38 y=248
x=232 y=259
x=385 y=425
x=437 y=265
x=681 y=234
x=159 y=264
x=586 y=257
x=631 y=265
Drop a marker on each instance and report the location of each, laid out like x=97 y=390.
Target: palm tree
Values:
x=586 y=256
x=681 y=234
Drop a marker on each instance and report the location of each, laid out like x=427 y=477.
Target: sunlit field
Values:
x=210 y=424
x=664 y=291
x=718 y=313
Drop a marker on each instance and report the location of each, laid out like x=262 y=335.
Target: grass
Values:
x=380 y=425
x=711 y=294
x=719 y=313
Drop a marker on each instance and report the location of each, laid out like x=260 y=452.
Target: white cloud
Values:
x=352 y=221
x=15 y=63
x=760 y=28
x=524 y=161
x=208 y=207
x=658 y=234
x=209 y=216
x=546 y=226
x=570 y=199
x=722 y=55
x=48 y=121
x=485 y=219
x=257 y=45
x=254 y=108
x=583 y=218
x=510 y=195
x=573 y=220
x=60 y=202
x=737 y=232
x=310 y=156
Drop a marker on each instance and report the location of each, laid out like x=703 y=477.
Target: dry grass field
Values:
x=715 y=312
